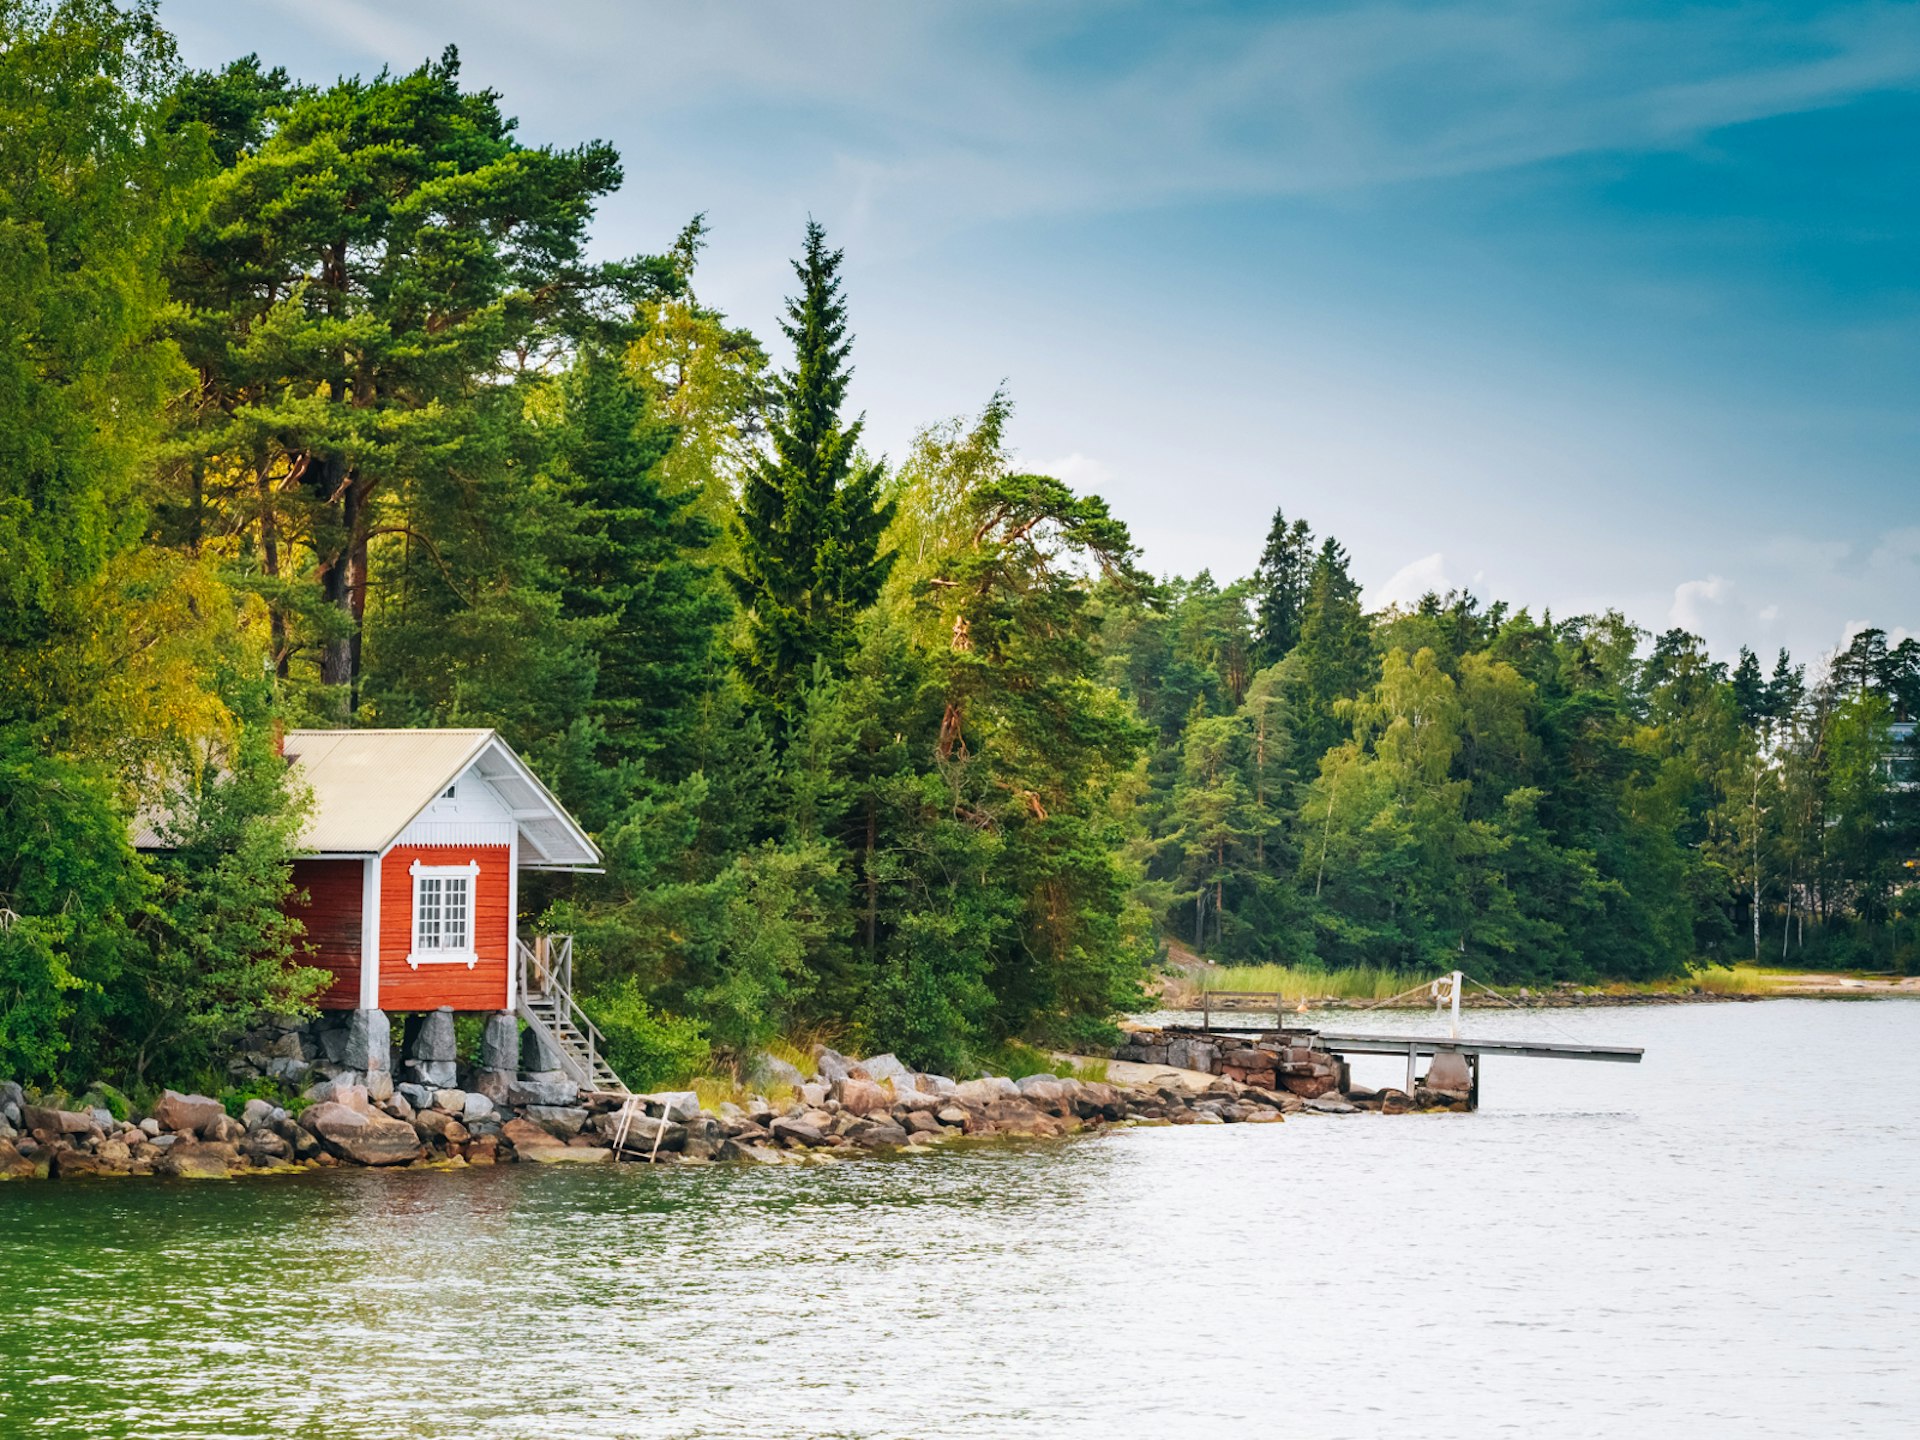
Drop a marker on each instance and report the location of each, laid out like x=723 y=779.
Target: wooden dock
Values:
x=1445 y=990
x=1416 y=1045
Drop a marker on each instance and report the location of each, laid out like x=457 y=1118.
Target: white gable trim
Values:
x=474 y=813
x=548 y=837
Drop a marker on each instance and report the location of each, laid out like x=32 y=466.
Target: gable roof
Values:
x=369 y=785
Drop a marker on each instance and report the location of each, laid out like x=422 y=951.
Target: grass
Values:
x=1183 y=991
x=1362 y=982
x=1730 y=980
x=796 y=1053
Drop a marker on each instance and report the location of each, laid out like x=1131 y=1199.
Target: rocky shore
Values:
x=849 y=1107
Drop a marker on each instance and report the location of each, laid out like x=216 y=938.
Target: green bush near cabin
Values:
x=648 y=1047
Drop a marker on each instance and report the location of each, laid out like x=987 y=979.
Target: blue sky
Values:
x=1576 y=305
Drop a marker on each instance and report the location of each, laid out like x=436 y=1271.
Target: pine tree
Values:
x=380 y=260
x=1281 y=582
x=811 y=518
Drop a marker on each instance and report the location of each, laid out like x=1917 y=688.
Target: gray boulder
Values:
x=795 y=1130
x=942 y=1085
x=877 y=1133
x=888 y=1067
x=356 y=1135
x=537 y=1053
x=340 y=1092
x=770 y=1070
x=641 y=1132
x=563 y=1122
x=223 y=1129
x=257 y=1113
x=436 y=1074
x=831 y=1066
x=433 y=1037
x=542 y=1092
x=1332 y=1103
x=367 y=1045
x=476 y=1107
x=500 y=1042
x=862 y=1097
x=420 y=1097
x=679 y=1106
x=985 y=1090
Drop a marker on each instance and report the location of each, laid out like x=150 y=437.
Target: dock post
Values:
x=1456 y=1004
x=1473 y=1090
x=1411 y=1050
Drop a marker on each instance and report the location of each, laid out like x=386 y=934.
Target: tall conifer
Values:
x=810 y=522
x=1286 y=571
x=1335 y=647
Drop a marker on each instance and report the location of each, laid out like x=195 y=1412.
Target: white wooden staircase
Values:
x=546 y=1004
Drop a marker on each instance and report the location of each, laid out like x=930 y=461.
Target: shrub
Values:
x=648 y=1047
x=107 y=1098
x=234 y=1098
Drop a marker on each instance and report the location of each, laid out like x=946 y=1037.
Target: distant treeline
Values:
x=314 y=411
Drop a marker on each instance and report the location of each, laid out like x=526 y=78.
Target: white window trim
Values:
x=469 y=957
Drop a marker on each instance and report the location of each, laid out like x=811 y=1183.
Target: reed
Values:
x=1294 y=983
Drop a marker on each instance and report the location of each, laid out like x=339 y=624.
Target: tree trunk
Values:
x=336 y=649
x=270 y=562
x=873 y=881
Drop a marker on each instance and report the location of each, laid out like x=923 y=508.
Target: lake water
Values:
x=1724 y=1241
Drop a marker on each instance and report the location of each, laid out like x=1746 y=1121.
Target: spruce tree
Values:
x=631 y=575
x=1286 y=571
x=1750 y=688
x=1335 y=647
x=811 y=518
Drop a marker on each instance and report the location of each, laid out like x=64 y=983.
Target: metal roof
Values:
x=369 y=785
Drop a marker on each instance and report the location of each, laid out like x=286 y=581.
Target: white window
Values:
x=443 y=914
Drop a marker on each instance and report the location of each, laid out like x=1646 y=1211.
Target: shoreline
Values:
x=1818 y=988
x=851 y=1109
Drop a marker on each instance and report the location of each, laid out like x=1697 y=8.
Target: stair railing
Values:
x=546 y=973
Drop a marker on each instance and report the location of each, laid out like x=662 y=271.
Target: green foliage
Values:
x=808 y=531
x=70 y=889
x=1282 y=585
x=216 y=945
x=648 y=1047
x=101 y=1095
x=233 y=1098
x=934 y=768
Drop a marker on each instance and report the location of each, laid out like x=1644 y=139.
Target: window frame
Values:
x=468 y=877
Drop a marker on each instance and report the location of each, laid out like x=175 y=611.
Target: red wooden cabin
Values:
x=413 y=848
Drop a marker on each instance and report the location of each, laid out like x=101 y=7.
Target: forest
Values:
x=317 y=409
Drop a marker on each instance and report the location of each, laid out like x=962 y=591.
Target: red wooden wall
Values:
x=482 y=988
x=332 y=917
